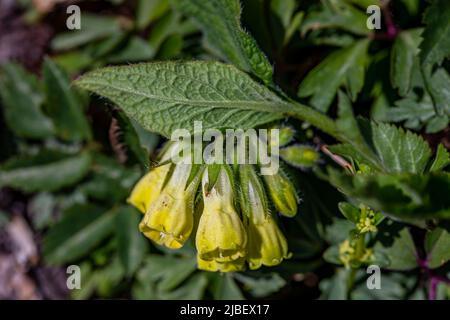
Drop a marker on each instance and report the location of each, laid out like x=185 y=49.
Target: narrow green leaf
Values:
x=93 y=27
x=49 y=176
x=337 y=14
x=166 y=96
x=403 y=56
x=149 y=10
x=22 y=99
x=435 y=45
x=63 y=105
x=131 y=244
x=219 y=20
x=82 y=228
x=347 y=67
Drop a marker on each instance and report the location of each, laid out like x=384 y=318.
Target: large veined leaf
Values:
x=405 y=196
x=166 y=96
x=81 y=229
x=46 y=176
x=400 y=151
x=22 y=101
x=343 y=67
x=383 y=147
x=219 y=19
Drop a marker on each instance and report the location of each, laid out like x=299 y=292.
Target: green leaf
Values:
x=336 y=288
x=347 y=67
x=349 y=211
x=166 y=96
x=356 y=147
x=41 y=208
x=149 y=10
x=336 y=14
x=284 y=9
x=437 y=244
x=438 y=86
x=261 y=285
x=219 y=20
x=409 y=109
x=131 y=244
x=442 y=159
x=395 y=245
x=93 y=27
x=400 y=151
x=192 y=289
x=403 y=56
x=48 y=176
x=435 y=46
x=22 y=99
x=135 y=49
x=82 y=228
x=225 y=288
x=63 y=105
x=409 y=197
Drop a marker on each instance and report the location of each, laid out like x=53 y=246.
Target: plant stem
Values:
x=315 y=118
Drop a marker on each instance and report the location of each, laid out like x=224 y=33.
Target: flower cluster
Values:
x=225 y=207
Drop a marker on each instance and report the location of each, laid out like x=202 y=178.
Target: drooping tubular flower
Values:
x=167 y=196
x=266 y=243
x=170 y=218
x=221 y=239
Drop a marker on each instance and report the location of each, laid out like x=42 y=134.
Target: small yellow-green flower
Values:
x=221 y=237
x=170 y=218
x=266 y=243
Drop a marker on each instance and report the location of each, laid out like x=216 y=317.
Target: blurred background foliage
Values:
x=69 y=160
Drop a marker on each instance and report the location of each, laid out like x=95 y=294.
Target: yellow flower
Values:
x=346 y=253
x=282 y=193
x=148 y=188
x=220 y=235
x=214 y=266
x=267 y=244
x=170 y=218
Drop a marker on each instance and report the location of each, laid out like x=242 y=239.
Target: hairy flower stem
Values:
x=315 y=118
